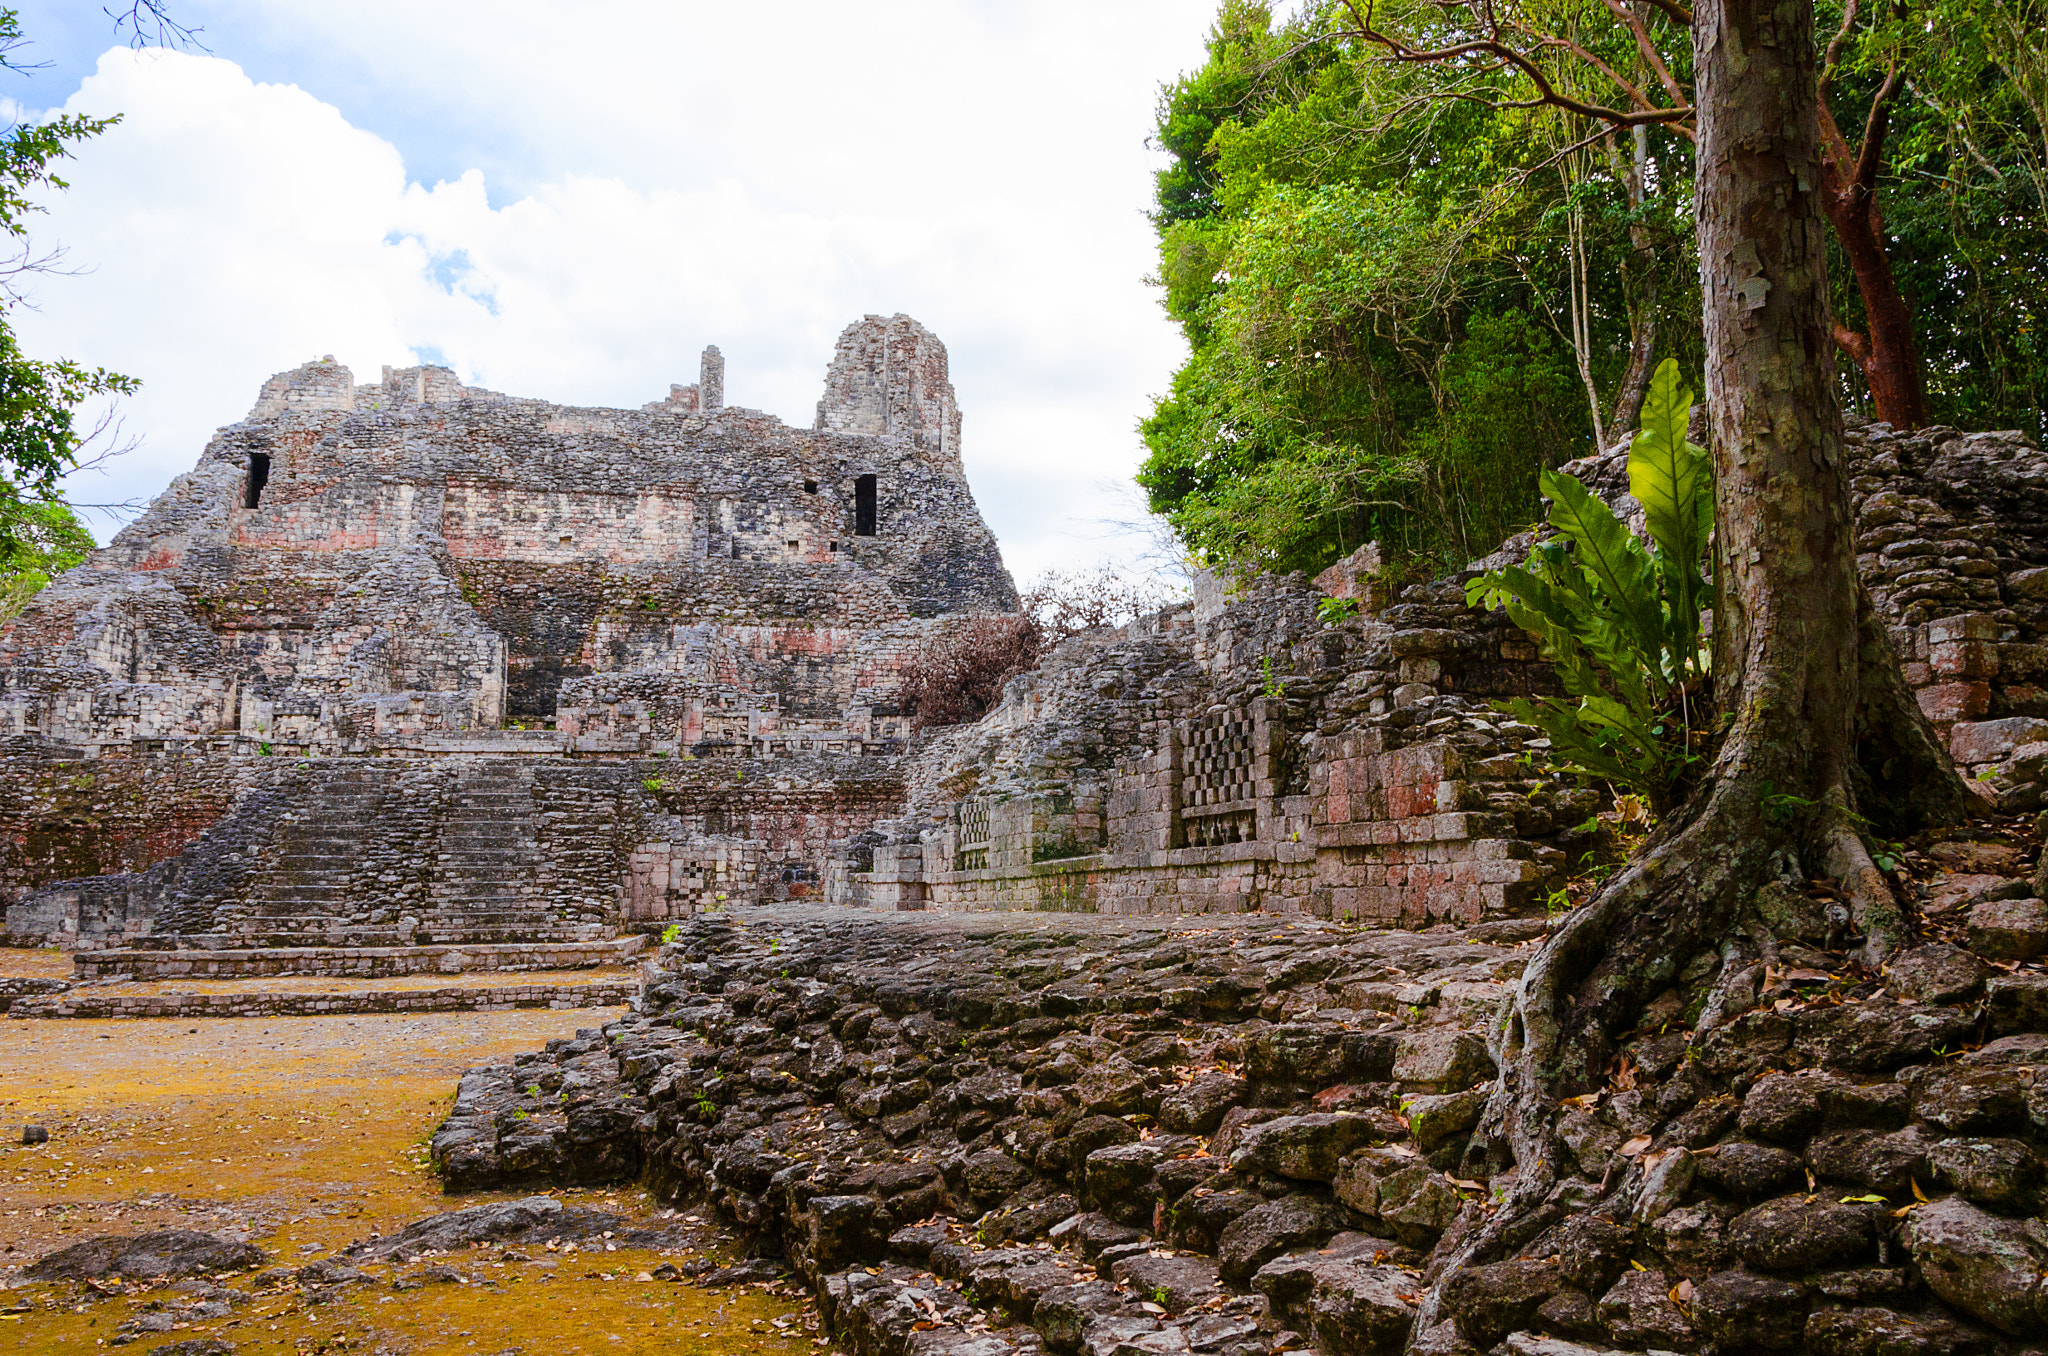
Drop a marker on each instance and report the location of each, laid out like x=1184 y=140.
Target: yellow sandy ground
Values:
x=42 y=963
x=311 y=1132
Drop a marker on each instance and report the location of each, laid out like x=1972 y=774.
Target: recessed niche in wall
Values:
x=864 y=506
x=259 y=476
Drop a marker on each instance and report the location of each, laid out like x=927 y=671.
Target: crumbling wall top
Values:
x=889 y=379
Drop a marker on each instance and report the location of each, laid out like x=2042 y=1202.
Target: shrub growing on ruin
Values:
x=1063 y=604
x=957 y=676
x=1621 y=620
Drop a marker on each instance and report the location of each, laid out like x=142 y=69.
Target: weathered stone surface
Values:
x=1440 y=1060
x=1884 y=1332
x=500 y=1220
x=2016 y=1004
x=1793 y=1233
x=1637 y=1311
x=1178 y=1283
x=2009 y=929
x=846 y=1230
x=1873 y=1038
x=1362 y=1310
x=1198 y=1219
x=1415 y=1202
x=1872 y=1160
x=873 y=1006
x=1741 y=1311
x=1433 y=1120
x=1936 y=973
x=1263 y=1233
x=1782 y=1107
x=170 y=1253
x=1489 y=1302
x=1974 y=1102
x=1746 y=1171
x=1304 y=1147
x=2003 y=1174
x=1992 y=1269
x=1197 y=1107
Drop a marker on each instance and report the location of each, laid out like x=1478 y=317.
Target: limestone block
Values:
x=1991 y=741
x=1947 y=703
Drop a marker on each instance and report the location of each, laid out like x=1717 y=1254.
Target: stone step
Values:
x=437 y=957
x=257 y=1002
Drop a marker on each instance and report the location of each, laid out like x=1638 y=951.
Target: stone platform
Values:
x=315 y=995
x=367 y=962
x=1010 y=1133
x=598 y=994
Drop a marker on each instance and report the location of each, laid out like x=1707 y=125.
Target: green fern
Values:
x=1618 y=619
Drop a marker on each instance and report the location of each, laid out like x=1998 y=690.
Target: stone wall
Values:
x=350 y=542
x=411 y=852
x=696 y=645
x=601 y=993
x=1240 y=753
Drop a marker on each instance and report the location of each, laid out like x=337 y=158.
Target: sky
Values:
x=574 y=209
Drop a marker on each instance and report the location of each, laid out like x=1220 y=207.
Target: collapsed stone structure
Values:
x=409 y=662
x=1240 y=752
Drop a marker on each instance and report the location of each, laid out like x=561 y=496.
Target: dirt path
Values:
x=307 y=1134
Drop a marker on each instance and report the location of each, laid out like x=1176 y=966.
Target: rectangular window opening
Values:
x=864 y=506
x=810 y=487
x=259 y=476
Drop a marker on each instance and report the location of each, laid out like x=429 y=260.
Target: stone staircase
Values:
x=307 y=894
x=387 y=869
x=488 y=876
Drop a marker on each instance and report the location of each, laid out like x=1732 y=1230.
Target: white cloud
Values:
x=988 y=178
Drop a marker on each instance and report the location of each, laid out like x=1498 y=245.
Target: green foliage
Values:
x=1369 y=262
x=1336 y=611
x=671 y=932
x=39 y=539
x=1618 y=620
x=1269 y=681
x=653 y=783
x=1964 y=197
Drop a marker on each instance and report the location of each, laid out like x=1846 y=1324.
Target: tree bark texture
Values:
x=1785 y=644
x=1802 y=668
x=1886 y=352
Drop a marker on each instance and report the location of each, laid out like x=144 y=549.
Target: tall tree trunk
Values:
x=1799 y=659
x=1642 y=349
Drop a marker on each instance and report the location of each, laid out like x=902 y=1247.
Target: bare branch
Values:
x=149 y=24
x=1400 y=51
x=1833 y=59
x=1870 y=156
x=1651 y=56
x=1674 y=11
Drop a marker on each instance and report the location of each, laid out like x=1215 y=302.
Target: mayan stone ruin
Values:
x=407 y=675
x=407 y=664
x=1154 y=1012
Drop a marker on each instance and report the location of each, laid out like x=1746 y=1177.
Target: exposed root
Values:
x=1872 y=906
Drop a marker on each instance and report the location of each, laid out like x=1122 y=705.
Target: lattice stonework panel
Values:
x=1216 y=763
x=1219 y=780
x=972 y=854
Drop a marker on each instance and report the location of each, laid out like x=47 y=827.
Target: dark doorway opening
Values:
x=259 y=476
x=864 y=506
